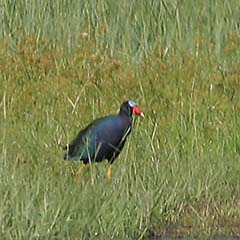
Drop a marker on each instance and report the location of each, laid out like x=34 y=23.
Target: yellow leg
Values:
x=109 y=172
x=79 y=171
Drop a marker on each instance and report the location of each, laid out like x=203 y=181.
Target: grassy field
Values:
x=64 y=63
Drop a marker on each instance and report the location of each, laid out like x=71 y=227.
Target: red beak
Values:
x=137 y=111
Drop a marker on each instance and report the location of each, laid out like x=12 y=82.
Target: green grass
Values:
x=62 y=65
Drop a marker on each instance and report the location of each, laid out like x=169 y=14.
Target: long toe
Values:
x=79 y=171
x=109 y=172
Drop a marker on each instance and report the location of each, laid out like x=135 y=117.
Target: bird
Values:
x=104 y=138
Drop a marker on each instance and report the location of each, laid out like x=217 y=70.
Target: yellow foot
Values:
x=109 y=172
x=79 y=172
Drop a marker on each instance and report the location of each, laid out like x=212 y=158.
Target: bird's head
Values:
x=130 y=107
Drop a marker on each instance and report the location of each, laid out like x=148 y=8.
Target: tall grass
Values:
x=63 y=64
x=132 y=28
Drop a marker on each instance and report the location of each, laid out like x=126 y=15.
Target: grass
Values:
x=64 y=66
